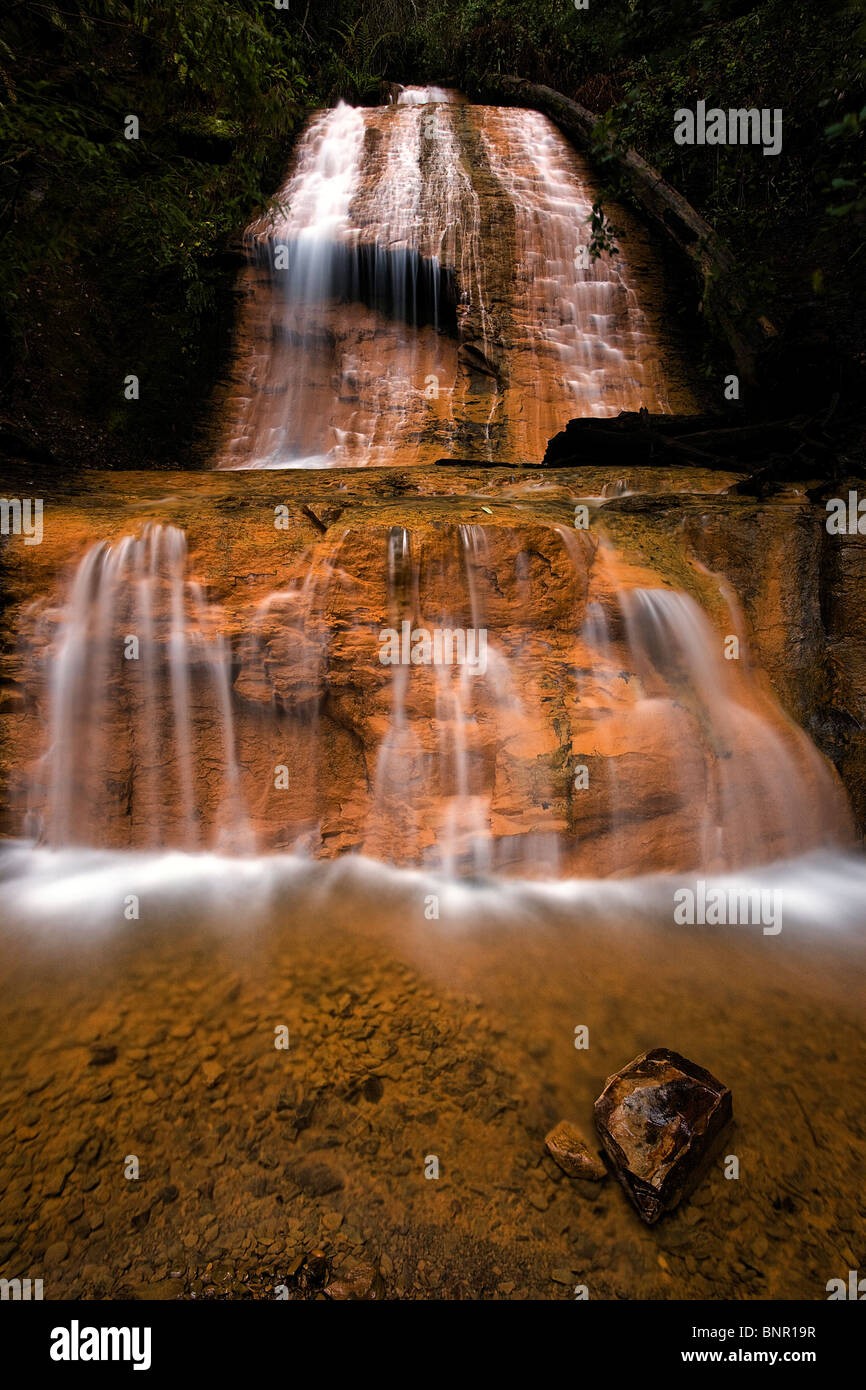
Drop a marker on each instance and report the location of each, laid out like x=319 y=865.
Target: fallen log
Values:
x=769 y=452
x=484 y=463
x=697 y=441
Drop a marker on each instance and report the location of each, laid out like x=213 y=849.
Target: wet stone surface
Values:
x=310 y=1172
x=660 y=1119
x=570 y=1151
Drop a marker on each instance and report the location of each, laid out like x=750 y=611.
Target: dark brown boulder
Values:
x=661 y=1120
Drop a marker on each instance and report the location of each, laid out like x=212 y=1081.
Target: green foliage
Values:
x=352 y=71
x=116 y=247
x=793 y=220
x=848 y=182
x=467 y=40
x=602 y=233
x=217 y=90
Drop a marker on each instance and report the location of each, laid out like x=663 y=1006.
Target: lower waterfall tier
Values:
x=525 y=677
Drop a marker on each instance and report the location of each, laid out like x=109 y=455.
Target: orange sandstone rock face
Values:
x=479 y=670
x=604 y=734
x=425 y=289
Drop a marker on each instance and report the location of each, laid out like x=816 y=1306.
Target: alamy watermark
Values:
x=854 y=1289
x=736 y=126
x=846 y=518
x=77 y=1343
x=438 y=646
x=22 y=516
x=20 y=1290
x=729 y=905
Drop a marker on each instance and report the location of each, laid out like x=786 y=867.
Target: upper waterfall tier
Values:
x=423 y=286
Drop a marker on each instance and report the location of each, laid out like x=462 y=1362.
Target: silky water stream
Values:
x=345 y=789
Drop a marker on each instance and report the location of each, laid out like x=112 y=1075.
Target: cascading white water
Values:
x=466 y=767
x=422 y=287
x=422 y=96
x=579 y=317
x=315 y=836
x=431 y=747
x=410 y=232
x=766 y=784
x=141 y=725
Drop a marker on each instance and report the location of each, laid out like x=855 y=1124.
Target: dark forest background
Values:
x=118 y=256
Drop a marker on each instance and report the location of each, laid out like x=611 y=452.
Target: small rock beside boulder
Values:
x=568 y=1148
x=661 y=1120
x=362 y=1284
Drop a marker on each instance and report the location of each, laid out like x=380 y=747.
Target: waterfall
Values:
x=765 y=784
x=434 y=747
x=603 y=733
x=423 y=286
x=580 y=317
x=433 y=682
x=141 y=740
x=354 y=785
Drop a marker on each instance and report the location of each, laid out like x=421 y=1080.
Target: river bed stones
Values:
x=472 y=1020
x=660 y=1120
x=568 y=1148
